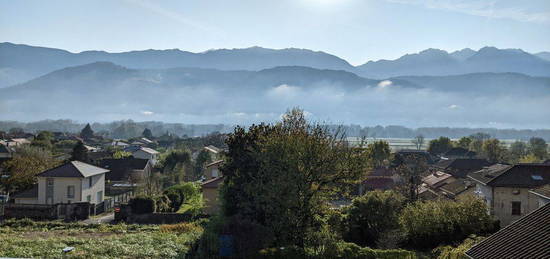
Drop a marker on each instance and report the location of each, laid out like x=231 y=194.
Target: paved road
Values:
x=107 y=218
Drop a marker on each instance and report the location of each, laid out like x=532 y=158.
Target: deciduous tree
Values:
x=23 y=167
x=440 y=145
x=538 y=147
x=378 y=153
x=282 y=176
x=80 y=152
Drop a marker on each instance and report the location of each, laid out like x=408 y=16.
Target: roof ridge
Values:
x=76 y=167
x=502 y=173
x=47 y=170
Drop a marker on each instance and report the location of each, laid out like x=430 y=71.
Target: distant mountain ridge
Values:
x=435 y=62
x=108 y=91
x=20 y=63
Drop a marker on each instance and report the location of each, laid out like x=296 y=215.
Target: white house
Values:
x=74 y=181
x=146 y=153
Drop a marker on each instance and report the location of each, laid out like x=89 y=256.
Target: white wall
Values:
x=60 y=185
x=98 y=184
x=82 y=190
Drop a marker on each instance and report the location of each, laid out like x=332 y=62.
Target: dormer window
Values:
x=536 y=177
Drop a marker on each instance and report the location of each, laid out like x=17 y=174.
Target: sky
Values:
x=356 y=30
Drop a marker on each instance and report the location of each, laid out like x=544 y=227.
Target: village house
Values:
x=71 y=182
x=119 y=143
x=460 y=167
x=404 y=153
x=16 y=142
x=213 y=170
x=213 y=179
x=126 y=170
x=214 y=152
x=525 y=238
x=429 y=189
x=143 y=153
x=210 y=193
x=506 y=189
x=459 y=152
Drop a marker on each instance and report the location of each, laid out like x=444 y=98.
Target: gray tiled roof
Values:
x=74 y=169
x=520 y=175
x=528 y=237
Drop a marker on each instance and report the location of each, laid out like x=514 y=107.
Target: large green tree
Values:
x=538 y=147
x=378 y=153
x=43 y=140
x=411 y=169
x=371 y=215
x=87 y=132
x=494 y=151
x=23 y=167
x=282 y=176
x=464 y=142
x=80 y=152
x=147 y=133
x=440 y=145
x=517 y=150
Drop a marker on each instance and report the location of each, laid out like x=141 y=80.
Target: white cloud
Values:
x=148 y=113
x=453 y=106
x=385 y=83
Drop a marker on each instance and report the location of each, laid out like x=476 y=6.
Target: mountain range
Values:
x=20 y=63
x=485 y=88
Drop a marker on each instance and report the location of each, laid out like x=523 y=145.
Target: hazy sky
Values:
x=356 y=30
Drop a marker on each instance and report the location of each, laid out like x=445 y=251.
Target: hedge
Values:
x=340 y=250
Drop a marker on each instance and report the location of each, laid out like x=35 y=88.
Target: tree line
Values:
x=130 y=129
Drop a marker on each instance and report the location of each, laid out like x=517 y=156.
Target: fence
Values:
x=72 y=211
x=104 y=206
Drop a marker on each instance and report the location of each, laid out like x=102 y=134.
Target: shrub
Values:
x=431 y=223
x=142 y=205
x=459 y=252
x=185 y=193
x=339 y=250
x=371 y=215
x=162 y=203
x=175 y=198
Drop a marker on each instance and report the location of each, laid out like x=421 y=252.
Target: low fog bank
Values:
x=383 y=104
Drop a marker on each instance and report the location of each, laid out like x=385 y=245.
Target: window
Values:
x=70 y=191
x=536 y=177
x=214 y=173
x=49 y=181
x=89 y=198
x=516 y=208
x=100 y=196
x=90 y=182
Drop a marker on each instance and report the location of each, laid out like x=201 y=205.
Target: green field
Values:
x=397 y=144
x=27 y=239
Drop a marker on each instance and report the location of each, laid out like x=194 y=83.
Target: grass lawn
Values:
x=25 y=238
x=184 y=208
